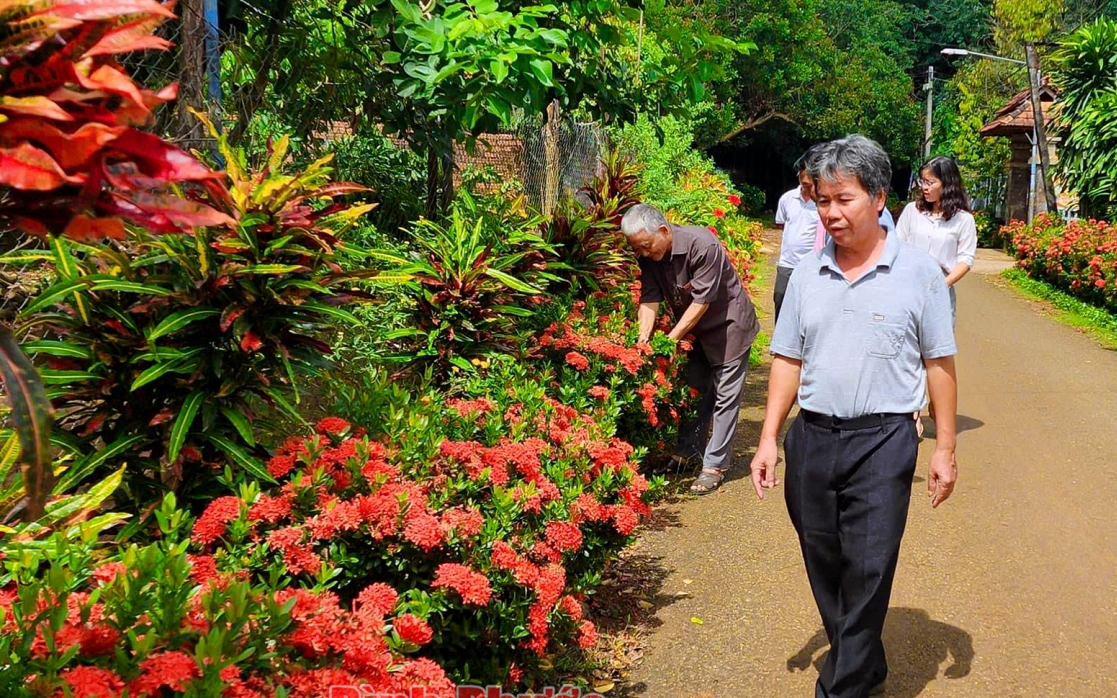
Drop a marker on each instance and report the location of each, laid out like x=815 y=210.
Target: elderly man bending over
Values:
x=687 y=268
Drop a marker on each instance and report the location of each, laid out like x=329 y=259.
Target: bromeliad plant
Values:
x=614 y=188
x=73 y=163
x=586 y=238
x=161 y=350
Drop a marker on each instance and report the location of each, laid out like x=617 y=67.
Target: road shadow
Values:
x=962 y=423
x=917 y=647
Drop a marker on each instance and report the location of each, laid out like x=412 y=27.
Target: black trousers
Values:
x=848 y=486
x=783 y=276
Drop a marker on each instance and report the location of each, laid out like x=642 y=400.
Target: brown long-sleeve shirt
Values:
x=698 y=271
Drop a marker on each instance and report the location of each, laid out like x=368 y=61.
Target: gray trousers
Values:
x=720 y=390
x=783 y=275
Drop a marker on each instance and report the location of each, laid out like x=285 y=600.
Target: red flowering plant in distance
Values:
x=1079 y=257
x=490 y=537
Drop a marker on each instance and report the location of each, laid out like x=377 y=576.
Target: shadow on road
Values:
x=917 y=647
x=962 y=423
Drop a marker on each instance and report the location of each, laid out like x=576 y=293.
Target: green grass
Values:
x=1098 y=322
x=759 y=349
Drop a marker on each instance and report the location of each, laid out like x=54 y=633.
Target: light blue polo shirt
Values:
x=863 y=343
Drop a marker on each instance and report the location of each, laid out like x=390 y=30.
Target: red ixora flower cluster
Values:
x=1079 y=256
x=472 y=586
x=576 y=335
x=324 y=644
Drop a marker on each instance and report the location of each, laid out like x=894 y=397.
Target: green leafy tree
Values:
x=826 y=67
x=461 y=69
x=1086 y=65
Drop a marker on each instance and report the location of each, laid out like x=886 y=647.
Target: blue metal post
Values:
x=213 y=50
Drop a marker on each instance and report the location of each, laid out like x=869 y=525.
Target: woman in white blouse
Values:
x=939 y=222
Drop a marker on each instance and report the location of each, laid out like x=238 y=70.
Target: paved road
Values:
x=1009 y=589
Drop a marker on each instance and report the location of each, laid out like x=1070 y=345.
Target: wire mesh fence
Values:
x=558 y=158
x=18 y=282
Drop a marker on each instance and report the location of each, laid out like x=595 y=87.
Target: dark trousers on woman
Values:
x=848 y=486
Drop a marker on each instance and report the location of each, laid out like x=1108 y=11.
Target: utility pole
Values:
x=930 y=88
x=1041 y=128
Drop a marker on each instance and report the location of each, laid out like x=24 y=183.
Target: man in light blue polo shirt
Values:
x=865 y=324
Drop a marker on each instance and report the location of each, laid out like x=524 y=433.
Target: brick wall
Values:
x=501 y=151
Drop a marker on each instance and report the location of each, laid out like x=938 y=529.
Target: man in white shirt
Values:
x=797 y=217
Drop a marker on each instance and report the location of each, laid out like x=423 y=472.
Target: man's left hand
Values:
x=942 y=476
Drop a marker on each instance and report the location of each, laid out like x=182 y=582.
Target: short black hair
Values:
x=804 y=161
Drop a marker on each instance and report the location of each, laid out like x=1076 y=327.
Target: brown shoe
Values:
x=879 y=689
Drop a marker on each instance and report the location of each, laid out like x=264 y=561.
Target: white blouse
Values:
x=950 y=242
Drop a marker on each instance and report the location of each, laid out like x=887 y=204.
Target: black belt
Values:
x=869 y=421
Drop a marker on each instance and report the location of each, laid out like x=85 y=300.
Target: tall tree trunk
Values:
x=1041 y=128
x=191 y=73
x=434 y=180
x=552 y=162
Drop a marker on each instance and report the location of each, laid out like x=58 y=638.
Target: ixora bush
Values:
x=1079 y=257
x=157 y=620
x=161 y=350
x=599 y=364
x=491 y=523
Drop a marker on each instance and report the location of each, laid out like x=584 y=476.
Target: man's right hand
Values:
x=764 y=466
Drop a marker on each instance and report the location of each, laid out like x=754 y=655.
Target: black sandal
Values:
x=707 y=481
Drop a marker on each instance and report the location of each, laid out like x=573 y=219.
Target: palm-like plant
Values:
x=1086 y=72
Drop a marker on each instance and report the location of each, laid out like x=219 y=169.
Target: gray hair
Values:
x=854 y=155
x=805 y=160
x=642 y=217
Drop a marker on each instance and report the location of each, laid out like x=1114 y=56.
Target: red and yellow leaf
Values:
x=112 y=80
x=94 y=10
x=70 y=150
x=160 y=159
x=180 y=212
x=133 y=36
x=28 y=168
x=35 y=106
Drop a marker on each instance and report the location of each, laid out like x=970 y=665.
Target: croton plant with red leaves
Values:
x=71 y=155
x=72 y=162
